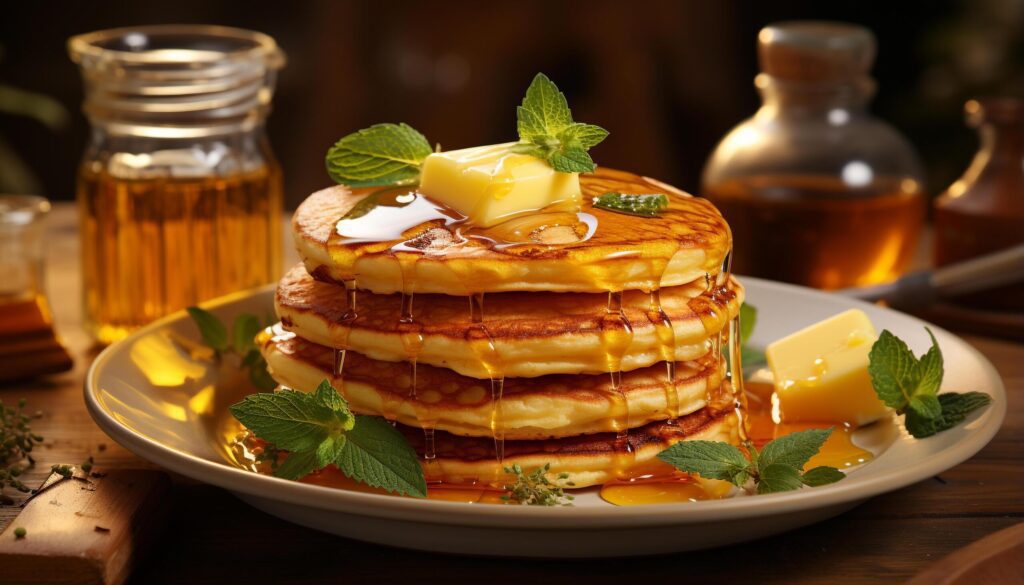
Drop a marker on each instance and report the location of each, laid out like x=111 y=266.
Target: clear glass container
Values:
x=817 y=190
x=179 y=193
x=983 y=211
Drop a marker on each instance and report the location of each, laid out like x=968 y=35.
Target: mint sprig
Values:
x=778 y=467
x=383 y=154
x=547 y=130
x=241 y=342
x=910 y=385
x=318 y=429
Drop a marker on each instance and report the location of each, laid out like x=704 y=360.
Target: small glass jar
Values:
x=817 y=191
x=983 y=211
x=179 y=193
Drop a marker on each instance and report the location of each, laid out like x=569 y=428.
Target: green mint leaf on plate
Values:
x=776 y=468
x=259 y=376
x=645 y=205
x=708 y=459
x=794 y=449
x=778 y=477
x=821 y=475
x=297 y=465
x=748 y=320
x=954 y=409
x=291 y=420
x=378 y=455
x=911 y=385
x=547 y=130
x=383 y=154
x=243 y=334
x=212 y=330
x=751 y=357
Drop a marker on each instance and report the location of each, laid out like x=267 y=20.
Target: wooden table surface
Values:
x=215 y=538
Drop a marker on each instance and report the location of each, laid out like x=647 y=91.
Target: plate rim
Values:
x=549 y=518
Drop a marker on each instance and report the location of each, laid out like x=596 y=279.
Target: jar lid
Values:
x=816 y=51
x=166 y=78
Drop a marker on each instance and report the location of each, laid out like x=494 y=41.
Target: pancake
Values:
x=395 y=240
x=587 y=460
x=523 y=334
x=530 y=408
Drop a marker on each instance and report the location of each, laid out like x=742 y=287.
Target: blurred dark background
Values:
x=668 y=79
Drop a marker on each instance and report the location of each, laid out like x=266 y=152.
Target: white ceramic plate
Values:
x=164 y=414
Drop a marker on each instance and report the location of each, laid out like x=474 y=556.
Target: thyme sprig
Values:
x=16 y=444
x=535 y=489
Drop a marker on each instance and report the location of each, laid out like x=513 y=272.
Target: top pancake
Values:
x=414 y=245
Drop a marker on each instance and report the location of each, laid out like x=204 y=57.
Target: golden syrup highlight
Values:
x=154 y=246
x=671 y=489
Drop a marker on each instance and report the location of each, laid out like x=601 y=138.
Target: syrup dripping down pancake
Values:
x=532 y=334
x=529 y=408
x=587 y=460
x=415 y=246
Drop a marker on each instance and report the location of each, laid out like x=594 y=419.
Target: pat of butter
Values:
x=821 y=372
x=489 y=184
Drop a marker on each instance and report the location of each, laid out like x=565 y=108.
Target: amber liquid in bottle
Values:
x=817 y=231
x=154 y=246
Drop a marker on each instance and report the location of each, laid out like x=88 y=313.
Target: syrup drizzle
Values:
x=616 y=337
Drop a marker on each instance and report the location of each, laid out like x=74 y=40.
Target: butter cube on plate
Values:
x=490 y=184
x=821 y=372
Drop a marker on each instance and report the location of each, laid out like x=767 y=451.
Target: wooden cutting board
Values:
x=85 y=532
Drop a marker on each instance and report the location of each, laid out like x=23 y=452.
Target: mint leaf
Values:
x=794 y=449
x=544 y=111
x=778 y=477
x=292 y=421
x=822 y=475
x=330 y=397
x=647 y=205
x=748 y=319
x=931 y=368
x=378 y=455
x=383 y=154
x=954 y=409
x=330 y=450
x=925 y=406
x=243 y=333
x=571 y=159
x=297 y=465
x=709 y=459
x=894 y=370
x=211 y=329
x=586 y=135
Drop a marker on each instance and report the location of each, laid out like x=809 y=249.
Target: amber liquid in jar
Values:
x=153 y=246
x=813 y=231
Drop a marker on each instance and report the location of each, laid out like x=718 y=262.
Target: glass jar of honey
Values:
x=179 y=193
x=817 y=190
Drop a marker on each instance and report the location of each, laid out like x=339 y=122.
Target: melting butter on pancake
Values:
x=408 y=244
x=587 y=460
x=530 y=408
x=533 y=334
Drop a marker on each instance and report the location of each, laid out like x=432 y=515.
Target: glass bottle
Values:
x=817 y=190
x=983 y=211
x=179 y=193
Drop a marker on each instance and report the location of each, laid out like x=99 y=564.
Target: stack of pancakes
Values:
x=589 y=341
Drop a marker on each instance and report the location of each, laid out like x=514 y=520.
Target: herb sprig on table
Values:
x=392 y=154
x=241 y=342
x=16 y=444
x=910 y=385
x=318 y=429
x=778 y=467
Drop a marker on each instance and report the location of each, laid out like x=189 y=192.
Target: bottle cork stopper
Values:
x=815 y=51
